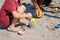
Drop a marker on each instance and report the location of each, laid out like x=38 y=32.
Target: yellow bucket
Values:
x=39 y=15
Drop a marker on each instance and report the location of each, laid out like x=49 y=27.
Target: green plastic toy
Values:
x=34 y=20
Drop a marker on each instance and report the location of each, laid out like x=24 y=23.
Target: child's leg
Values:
x=48 y=3
x=20 y=9
x=12 y=26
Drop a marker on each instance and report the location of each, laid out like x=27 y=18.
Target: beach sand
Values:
x=43 y=31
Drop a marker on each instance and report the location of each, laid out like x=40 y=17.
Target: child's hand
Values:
x=38 y=11
x=29 y=16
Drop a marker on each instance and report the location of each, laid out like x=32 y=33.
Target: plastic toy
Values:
x=57 y=26
x=34 y=20
x=56 y=9
x=21 y=32
x=39 y=15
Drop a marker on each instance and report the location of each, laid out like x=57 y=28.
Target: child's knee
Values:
x=23 y=7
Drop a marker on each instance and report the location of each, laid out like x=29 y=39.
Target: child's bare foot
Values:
x=19 y=31
x=13 y=29
x=51 y=5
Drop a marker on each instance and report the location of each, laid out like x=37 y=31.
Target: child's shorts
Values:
x=47 y=2
x=5 y=19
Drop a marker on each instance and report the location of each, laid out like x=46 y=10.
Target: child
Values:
x=38 y=4
x=17 y=10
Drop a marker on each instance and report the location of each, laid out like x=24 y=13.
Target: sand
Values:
x=43 y=31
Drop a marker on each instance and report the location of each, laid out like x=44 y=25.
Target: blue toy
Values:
x=57 y=26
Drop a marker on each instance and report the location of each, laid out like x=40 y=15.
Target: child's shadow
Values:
x=21 y=24
x=52 y=16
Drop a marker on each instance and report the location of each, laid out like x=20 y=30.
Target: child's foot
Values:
x=19 y=31
x=13 y=29
x=50 y=4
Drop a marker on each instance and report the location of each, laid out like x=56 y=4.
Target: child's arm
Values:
x=41 y=3
x=36 y=4
x=38 y=10
x=21 y=15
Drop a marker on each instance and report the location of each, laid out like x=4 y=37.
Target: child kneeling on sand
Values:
x=17 y=10
x=38 y=4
